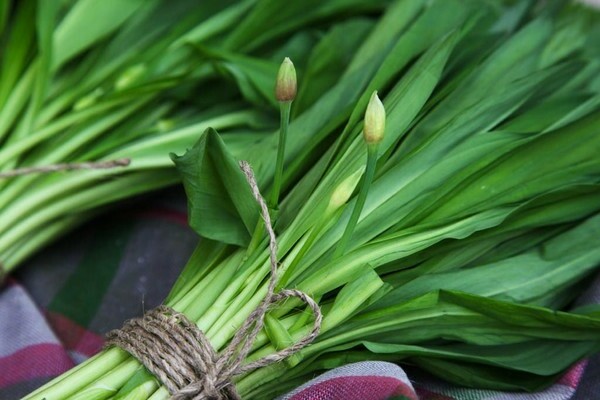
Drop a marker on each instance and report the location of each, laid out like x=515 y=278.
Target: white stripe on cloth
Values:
x=365 y=368
x=21 y=323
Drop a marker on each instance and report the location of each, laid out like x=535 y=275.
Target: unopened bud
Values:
x=344 y=190
x=130 y=77
x=285 y=88
x=374 y=120
x=88 y=100
x=165 y=125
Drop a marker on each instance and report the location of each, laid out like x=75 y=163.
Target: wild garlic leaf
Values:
x=220 y=202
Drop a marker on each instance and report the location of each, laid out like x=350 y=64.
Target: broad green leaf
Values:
x=530 y=225
x=516 y=59
x=217 y=23
x=569 y=157
x=329 y=58
x=280 y=19
x=419 y=36
x=88 y=22
x=552 y=266
x=523 y=357
x=351 y=297
x=413 y=90
x=254 y=77
x=4 y=12
x=515 y=346
x=17 y=49
x=484 y=377
x=325 y=276
x=46 y=15
x=542 y=116
x=220 y=202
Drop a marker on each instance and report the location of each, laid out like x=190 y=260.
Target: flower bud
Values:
x=88 y=100
x=344 y=190
x=130 y=77
x=285 y=88
x=374 y=120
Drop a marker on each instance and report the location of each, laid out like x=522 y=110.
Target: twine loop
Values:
x=174 y=350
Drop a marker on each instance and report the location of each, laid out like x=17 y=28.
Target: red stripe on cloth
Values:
x=37 y=361
x=425 y=394
x=169 y=215
x=356 y=388
x=73 y=336
x=573 y=376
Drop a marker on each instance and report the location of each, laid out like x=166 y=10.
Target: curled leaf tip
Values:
x=374 y=120
x=285 y=88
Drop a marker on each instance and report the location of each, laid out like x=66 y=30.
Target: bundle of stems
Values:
x=89 y=82
x=450 y=231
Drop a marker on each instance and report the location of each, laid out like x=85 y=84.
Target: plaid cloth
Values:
x=54 y=312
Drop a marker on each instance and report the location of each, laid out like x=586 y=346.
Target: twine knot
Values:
x=172 y=347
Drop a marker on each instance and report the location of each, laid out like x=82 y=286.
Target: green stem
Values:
x=16 y=102
x=83 y=201
x=15 y=205
x=306 y=246
x=80 y=376
x=204 y=294
x=39 y=238
x=360 y=201
x=284 y=108
x=109 y=384
x=249 y=295
x=257 y=237
x=17 y=148
x=228 y=297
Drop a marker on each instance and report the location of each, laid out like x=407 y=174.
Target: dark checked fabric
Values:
x=55 y=310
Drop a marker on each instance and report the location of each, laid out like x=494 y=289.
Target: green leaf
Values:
x=412 y=90
x=352 y=296
x=523 y=357
x=525 y=228
x=269 y=19
x=480 y=341
x=542 y=116
x=420 y=31
x=328 y=60
x=325 y=276
x=88 y=22
x=255 y=78
x=526 y=278
x=220 y=202
x=47 y=11
x=17 y=50
x=572 y=163
x=4 y=13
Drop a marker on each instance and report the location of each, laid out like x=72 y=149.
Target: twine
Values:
x=172 y=347
x=46 y=169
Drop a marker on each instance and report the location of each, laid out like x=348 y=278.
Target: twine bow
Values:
x=173 y=348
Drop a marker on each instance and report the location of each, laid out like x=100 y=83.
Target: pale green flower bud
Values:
x=285 y=88
x=374 y=120
x=344 y=190
x=130 y=76
x=88 y=100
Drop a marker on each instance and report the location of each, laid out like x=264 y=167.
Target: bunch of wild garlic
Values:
x=452 y=241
